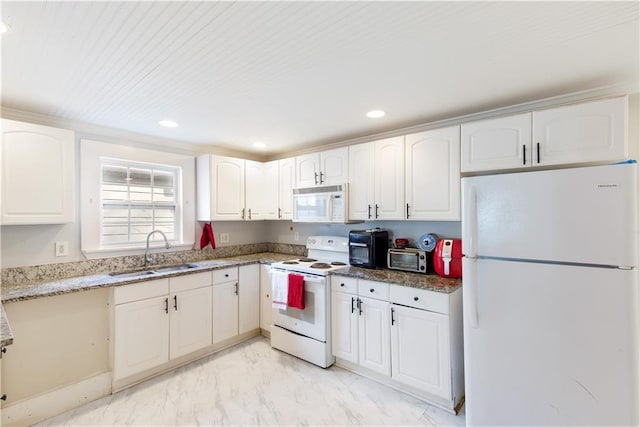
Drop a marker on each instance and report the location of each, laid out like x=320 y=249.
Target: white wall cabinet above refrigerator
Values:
x=579 y=133
x=330 y=167
x=38 y=167
x=432 y=175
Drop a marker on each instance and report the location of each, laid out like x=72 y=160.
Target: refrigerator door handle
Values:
x=471 y=283
x=470 y=219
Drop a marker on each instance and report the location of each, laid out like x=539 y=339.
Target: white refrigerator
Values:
x=550 y=291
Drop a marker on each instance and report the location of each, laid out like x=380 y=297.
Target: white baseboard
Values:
x=55 y=402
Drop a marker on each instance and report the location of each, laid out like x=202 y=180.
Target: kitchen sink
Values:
x=153 y=270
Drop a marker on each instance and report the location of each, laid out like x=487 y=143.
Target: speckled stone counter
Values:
x=6 y=336
x=430 y=282
x=81 y=283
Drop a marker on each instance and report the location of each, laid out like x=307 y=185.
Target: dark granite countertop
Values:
x=431 y=282
x=6 y=336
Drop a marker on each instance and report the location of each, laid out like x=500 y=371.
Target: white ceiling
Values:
x=298 y=74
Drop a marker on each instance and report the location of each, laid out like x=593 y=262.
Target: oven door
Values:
x=312 y=321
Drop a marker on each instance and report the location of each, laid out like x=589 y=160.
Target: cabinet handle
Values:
x=369 y=211
x=352 y=307
x=242 y=213
x=315 y=177
x=393 y=319
x=249 y=213
x=407 y=210
x=416 y=298
x=236 y=289
x=376 y=211
x=524 y=155
x=175 y=302
x=279 y=213
x=538 y=151
x=166 y=305
x=360 y=306
x=321 y=179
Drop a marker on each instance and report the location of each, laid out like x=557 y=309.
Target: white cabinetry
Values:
x=579 y=133
x=38 y=169
x=220 y=188
x=410 y=338
x=265 y=298
x=432 y=171
x=159 y=320
x=286 y=182
x=271 y=190
x=255 y=190
x=328 y=167
x=248 y=298
x=376 y=180
x=225 y=304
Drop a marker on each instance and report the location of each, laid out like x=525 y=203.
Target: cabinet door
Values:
x=374 y=339
x=265 y=297
x=37 y=174
x=225 y=311
x=420 y=350
x=344 y=326
x=220 y=188
x=589 y=132
x=254 y=190
x=389 y=179
x=249 y=298
x=286 y=182
x=270 y=190
x=361 y=181
x=308 y=170
x=432 y=173
x=502 y=143
x=190 y=321
x=141 y=336
x=334 y=166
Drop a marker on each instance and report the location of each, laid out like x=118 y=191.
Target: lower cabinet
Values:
x=189 y=321
x=410 y=338
x=265 y=298
x=225 y=311
x=248 y=298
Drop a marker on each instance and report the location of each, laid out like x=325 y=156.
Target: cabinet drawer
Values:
x=344 y=284
x=225 y=275
x=419 y=298
x=140 y=291
x=371 y=289
x=190 y=281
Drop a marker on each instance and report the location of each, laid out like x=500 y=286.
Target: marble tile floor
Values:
x=252 y=384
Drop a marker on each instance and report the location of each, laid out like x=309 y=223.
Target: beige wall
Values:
x=58 y=341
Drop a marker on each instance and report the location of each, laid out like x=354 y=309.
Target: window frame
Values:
x=91 y=154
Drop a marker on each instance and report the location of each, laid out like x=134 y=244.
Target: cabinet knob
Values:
x=371 y=290
x=342 y=284
x=3 y=397
x=416 y=298
x=226 y=275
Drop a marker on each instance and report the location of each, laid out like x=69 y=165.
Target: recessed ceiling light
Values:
x=168 y=123
x=375 y=114
x=4 y=28
x=259 y=144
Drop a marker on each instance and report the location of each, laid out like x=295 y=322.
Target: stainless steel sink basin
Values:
x=153 y=270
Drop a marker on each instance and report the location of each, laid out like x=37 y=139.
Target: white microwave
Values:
x=327 y=204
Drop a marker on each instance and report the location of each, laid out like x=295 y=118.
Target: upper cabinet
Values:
x=432 y=173
x=324 y=168
x=579 y=133
x=255 y=196
x=376 y=180
x=38 y=166
x=286 y=182
x=220 y=188
x=270 y=190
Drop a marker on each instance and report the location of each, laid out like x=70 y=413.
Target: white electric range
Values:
x=307 y=333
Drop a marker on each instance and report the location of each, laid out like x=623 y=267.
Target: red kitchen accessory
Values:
x=447 y=258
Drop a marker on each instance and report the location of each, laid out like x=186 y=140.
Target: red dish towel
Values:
x=207 y=237
x=295 y=298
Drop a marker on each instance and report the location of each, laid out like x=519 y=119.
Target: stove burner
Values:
x=307 y=260
x=320 y=265
x=290 y=262
x=338 y=263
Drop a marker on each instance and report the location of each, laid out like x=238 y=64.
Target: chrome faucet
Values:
x=147 y=257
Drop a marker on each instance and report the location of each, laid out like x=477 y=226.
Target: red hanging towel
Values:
x=295 y=298
x=207 y=236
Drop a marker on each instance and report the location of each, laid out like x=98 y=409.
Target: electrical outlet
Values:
x=224 y=237
x=62 y=248
x=296 y=236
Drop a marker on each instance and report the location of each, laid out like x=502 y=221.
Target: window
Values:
x=126 y=191
x=137 y=198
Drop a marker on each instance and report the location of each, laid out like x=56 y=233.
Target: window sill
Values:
x=133 y=250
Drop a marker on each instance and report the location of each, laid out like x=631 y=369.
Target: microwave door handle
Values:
x=361 y=245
